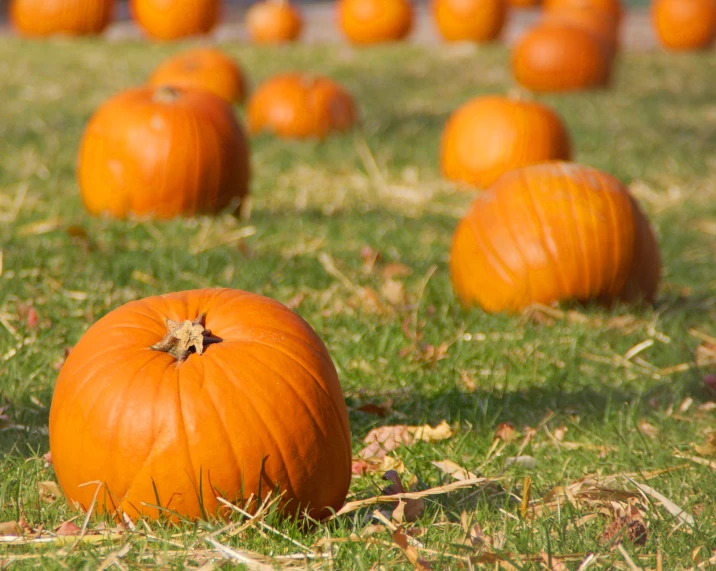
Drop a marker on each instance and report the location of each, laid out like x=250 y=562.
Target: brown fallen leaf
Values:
x=393 y=291
x=408 y=510
x=709 y=446
x=383 y=409
x=11 y=528
x=624 y=526
x=384 y=439
x=705 y=354
x=468 y=382
x=296 y=301
x=506 y=432
x=48 y=457
x=560 y=432
x=648 y=429
x=395 y=270
x=49 y=491
x=400 y=538
x=363 y=466
x=454 y=470
x=370 y=258
x=68 y=528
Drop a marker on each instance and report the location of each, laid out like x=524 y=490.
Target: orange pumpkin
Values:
x=273 y=22
x=490 y=135
x=553 y=232
x=684 y=24
x=523 y=3
x=173 y=400
x=597 y=22
x=163 y=153
x=205 y=69
x=375 y=21
x=297 y=105
x=172 y=19
x=470 y=20
x=561 y=57
x=71 y=17
x=612 y=8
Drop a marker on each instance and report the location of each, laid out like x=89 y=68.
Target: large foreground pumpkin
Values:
x=490 y=135
x=173 y=19
x=375 y=21
x=70 y=17
x=243 y=400
x=684 y=24
x=561 y=56
x=553 y=232
x=163 y=152
x=300 y=105
x=205 y=69
x=469 y=20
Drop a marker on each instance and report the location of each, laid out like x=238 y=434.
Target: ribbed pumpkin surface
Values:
x=173 y=19
x=490 y=135
x=553 y=232
x=71 y=17
x=684 y=24
x=375 y=21
x=300 y=105
x=205 y=69
x=162 y=153
x=260 y=409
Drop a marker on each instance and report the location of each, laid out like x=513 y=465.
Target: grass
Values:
x=316 y=203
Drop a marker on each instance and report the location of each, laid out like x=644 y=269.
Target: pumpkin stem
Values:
x=184 y=338
x=166 y=94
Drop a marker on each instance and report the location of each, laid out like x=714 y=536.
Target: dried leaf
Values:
x=383 y=409
x=49 y=491
x=48 y=457
x=648 y=429
x=560 y=432
x=705 y=354
x=68 y=528
x=370 y=258
x=10 y=528
x=393 y=292
x=506 y=432
x=709 y=446
x=296 y=301
x=407 y=510
x=710 y=382
x=454 y=470
x=395 y=270
x=477 y=538
x=468 y=381
x=624 y=526
x=384 y=439
x=400 y=538
x=361 y=467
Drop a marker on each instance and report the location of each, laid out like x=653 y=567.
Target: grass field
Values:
x=615 y=395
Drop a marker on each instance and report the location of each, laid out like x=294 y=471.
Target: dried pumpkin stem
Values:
x=186 y=337
x=166 y=94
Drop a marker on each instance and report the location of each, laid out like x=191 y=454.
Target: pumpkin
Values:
x=162 y=153
x=205 y=69
x=173 y=19
x=170 y=401
x=684 y=24
x=273 y=22
x=469 y=20
x=71 y=17
x=523 y=3
x=612 y=8
x=299 y=106
x=598 y=22
x=490 y=135
x=375 y=21
x=553 y=232
x=561 y=57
